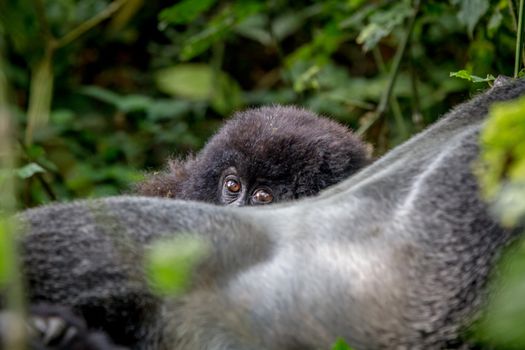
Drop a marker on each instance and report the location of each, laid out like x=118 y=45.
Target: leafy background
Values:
x=102 y=91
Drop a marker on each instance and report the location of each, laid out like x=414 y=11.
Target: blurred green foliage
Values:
x=502 y=324
x=170 y=263
x=501 y=171
x=105 y=90
x=341 y=344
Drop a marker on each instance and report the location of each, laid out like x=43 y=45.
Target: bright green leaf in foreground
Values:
x=341 y=344
x=502 y=324
x=502 y=173
x=170 y=263
x=502 y=178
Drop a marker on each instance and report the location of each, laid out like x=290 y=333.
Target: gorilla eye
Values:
x=232 y=185
x=262 y=196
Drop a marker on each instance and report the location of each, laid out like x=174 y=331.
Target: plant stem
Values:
x=394 y=71
x=45 y=31
x=41 y=89
x=40 y=94
x=519 y=40
x=90 y=23
x=416 y=107
x=394 y=104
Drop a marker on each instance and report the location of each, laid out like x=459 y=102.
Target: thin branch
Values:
x=394 y=103
x=519 y=40
x=274 y=41
x=40 y=93
x=417 y=116
x=393 y=74
x=42 y=20
x=46 y=186
x=90 y=23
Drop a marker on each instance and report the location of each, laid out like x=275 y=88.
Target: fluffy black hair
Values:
x=291 y=145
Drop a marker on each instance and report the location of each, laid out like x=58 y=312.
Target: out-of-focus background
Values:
x=102 y=91
x=93 y=93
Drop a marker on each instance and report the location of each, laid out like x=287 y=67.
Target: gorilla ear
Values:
x=167 y=183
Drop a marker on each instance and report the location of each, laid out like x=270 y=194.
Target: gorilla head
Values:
x=262 y=156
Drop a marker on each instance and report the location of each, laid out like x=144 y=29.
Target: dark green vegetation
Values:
x=104 y=90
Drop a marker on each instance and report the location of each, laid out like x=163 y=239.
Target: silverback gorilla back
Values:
x=395 y=257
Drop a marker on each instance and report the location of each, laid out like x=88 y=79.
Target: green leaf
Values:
x=185 y=11
x=29 y=170
x=101 y=94
x=200 y=82
x=202 y=41
x=126 y=104
x=502 y=166
x=504 y=317
x=341 y=344
x=286 y=24
x=192 y=81
x=463 y=74
x=307 y=80
x=227 y=96
x=168 y=109
x=494 y=22
x=326 y=41
x=219 y=26
x=170 y=263
x=382 y=23
x=470 y=12
x=255 y=28
x=371 y=35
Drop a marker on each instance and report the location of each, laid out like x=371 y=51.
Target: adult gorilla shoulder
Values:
x=262 y=156
x=396 y=257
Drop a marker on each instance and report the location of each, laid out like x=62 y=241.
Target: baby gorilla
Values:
x=262 y=156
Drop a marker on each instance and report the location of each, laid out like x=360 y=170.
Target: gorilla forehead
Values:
x=258 y=139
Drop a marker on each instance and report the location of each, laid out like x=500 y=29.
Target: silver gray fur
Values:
x=395 y=257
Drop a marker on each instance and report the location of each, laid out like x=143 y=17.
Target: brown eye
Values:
x=262 y=197
x=232 y=185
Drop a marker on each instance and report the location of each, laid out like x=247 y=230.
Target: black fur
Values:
x=289 y=150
